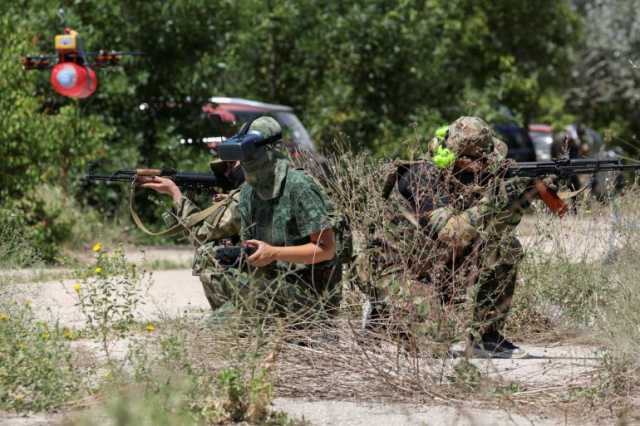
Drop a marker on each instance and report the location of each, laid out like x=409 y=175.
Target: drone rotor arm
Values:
x=109 y=58
x=38 y=62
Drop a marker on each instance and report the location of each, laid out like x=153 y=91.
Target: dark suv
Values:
x=517 y=139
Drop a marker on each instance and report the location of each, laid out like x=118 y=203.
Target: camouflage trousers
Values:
x=496 y=286
x=308 y=294
x=394 y=297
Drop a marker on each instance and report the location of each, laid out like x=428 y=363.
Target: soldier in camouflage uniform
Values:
x=220 y=225
x=285 y=217
x=460 y=199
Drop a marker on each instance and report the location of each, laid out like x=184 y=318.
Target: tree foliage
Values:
x=606 y=75
x=379 y=75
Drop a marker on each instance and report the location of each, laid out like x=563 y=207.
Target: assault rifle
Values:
x=563 y=169
x=201 y=182
x=184 y=180
x=568 y=167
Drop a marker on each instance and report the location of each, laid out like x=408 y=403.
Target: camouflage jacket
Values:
x=301 y=209
x=458 y=208
x=222 y=223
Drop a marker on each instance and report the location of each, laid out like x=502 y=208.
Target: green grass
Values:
x=36 y=363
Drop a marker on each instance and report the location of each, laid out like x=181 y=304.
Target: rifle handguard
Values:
x=149 y=172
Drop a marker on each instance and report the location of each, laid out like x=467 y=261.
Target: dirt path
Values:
x=345 y=413
x=171 y=293
x=175 y=291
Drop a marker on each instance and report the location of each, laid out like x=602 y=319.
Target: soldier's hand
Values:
x=264 y=254
x=458 y=233
x=161 y=185
x=551 y=182
x=515 y=189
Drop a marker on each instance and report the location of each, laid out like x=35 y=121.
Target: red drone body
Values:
x=71 y=73
x=73 y=81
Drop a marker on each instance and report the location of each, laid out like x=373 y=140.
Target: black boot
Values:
x=495 y=345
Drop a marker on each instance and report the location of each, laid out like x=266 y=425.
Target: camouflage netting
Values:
x=420 y=259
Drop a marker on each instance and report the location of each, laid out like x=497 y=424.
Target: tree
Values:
x=37 y=145
x=606 y=78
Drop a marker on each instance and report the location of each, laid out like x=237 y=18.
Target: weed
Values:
x=168 y=388
x=36 y=369
x=109 y=292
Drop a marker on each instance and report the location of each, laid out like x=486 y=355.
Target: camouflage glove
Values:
x=513 y=190
x=458 y=232
x=438 y=218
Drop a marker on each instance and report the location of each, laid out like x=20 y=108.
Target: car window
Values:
x=294 y=134
x=297 y=132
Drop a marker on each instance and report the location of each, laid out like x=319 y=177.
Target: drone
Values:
x=72 y=73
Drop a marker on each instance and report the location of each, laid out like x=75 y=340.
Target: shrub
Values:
x=109 y=292
x=36 y=370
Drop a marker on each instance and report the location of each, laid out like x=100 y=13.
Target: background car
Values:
x=226 y=115
x=542 y=137
x=517 y=139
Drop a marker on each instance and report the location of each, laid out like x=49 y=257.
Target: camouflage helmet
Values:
x=471 y=137
x=266 y=126
x=266 y=173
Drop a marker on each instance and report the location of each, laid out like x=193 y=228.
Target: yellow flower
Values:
x=98 y=270
x=97 y=247
x=45 y=335
x=4 y=317
x=150 y=328
x=76 y=287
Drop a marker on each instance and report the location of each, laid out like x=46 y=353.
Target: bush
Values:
x=36 y=370
x=47 y=220
x=16 y=248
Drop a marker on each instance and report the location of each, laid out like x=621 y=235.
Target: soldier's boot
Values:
x=214 y=290
x=495 y=345
x=494 y=304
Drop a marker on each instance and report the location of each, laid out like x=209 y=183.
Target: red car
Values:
x=228 y=114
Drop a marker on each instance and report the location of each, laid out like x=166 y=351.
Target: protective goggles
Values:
x=246 y=145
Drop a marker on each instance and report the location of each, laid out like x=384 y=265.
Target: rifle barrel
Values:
x=187 y=180
x=563 y=168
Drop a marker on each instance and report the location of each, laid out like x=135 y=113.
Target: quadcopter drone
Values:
x=72 y=73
